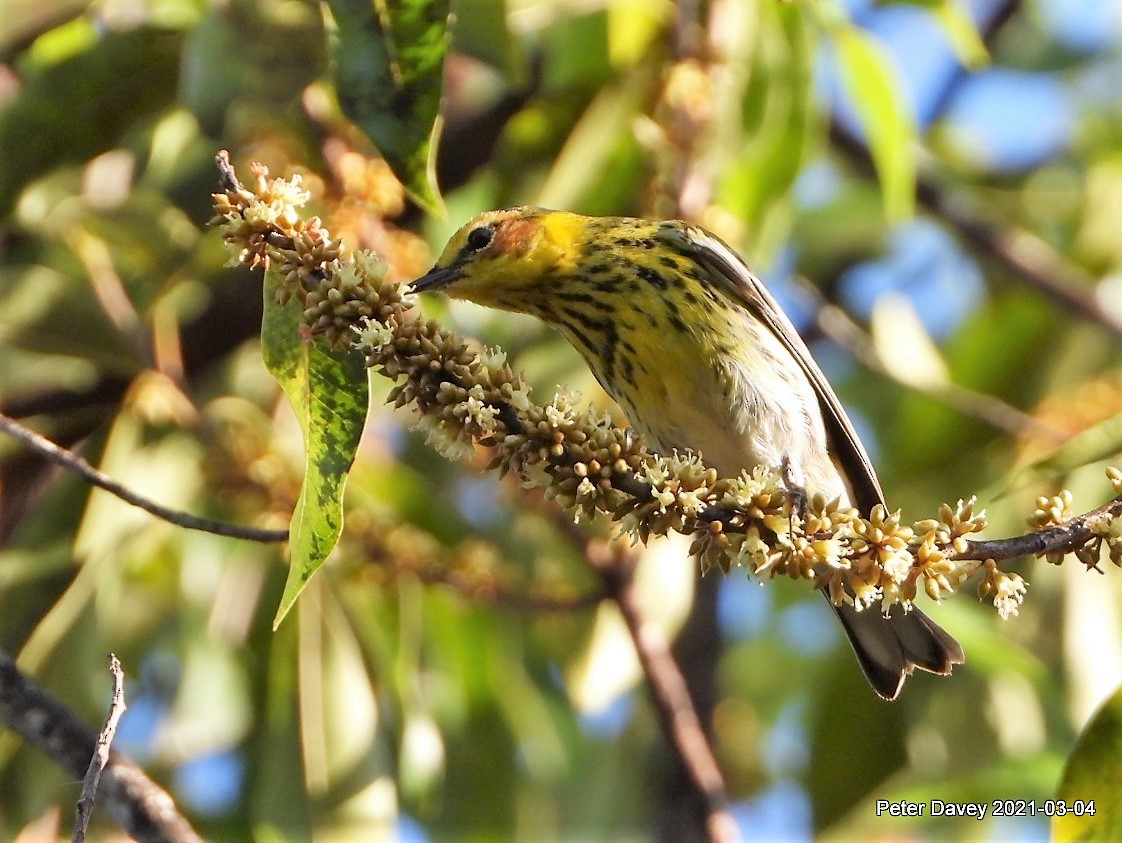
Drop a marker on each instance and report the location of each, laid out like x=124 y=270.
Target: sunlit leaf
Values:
x=870 y=79
x=632 y=26
x=25 y=19
x=329 y=392
x=389 y=58
x=1098 y=442
x=342 y=738
x=953 y=17
x=903 y=346
x=1092 y=781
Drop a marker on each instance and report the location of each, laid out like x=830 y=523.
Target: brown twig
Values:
x=671 y=695
x=72 y=462
x=836 y=324
x=1019 y=251
x=132 y=800
x=1063 y=538
x=101 y=751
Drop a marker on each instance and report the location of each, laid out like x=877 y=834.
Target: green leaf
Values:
x=870 y=77
x=953 y=17
x=329 y=392
x=1092 y=779
x=389 y=57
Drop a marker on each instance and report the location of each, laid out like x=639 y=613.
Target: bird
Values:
x=699 y=356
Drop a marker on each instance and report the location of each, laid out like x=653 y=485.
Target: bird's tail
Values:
x=890 y=648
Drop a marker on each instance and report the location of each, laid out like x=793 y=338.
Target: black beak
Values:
x=435 y=279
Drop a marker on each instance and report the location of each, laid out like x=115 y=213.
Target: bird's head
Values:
x=506 y=259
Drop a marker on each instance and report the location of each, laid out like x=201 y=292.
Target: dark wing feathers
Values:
x=889 y=649
x=729 y=269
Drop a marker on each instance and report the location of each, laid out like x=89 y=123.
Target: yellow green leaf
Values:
x=328 y=389
x=1090 y=794
x=869 y=77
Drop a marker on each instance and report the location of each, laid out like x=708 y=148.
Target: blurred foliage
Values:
x=443 y=676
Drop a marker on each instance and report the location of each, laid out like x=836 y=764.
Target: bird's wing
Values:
x=730 y=271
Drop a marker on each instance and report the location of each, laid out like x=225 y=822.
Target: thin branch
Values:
x=101 y=751
x=672 y=699
x=1019 y=251
x=1063 y=538
x=836 y=324
x=134 y=802
x=73 y=463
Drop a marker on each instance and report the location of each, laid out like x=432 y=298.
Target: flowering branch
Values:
x=589 y=467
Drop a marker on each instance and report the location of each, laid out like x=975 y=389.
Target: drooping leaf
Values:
x=389 y=56
x=1092 y=781
x=329 y=392
x=870 y=79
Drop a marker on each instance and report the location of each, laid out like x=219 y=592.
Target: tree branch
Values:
x=101 y=751
x=836 y=324
x=671 y=695
x=1063 y=538
x=1019 y=251
x=73 y=463
x=135 y=803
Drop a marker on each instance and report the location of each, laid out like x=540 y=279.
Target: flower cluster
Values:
x=469 y=398
x=264 y=228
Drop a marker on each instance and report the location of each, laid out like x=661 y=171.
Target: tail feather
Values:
x=890 y=648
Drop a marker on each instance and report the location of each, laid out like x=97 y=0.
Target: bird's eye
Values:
x=480 y=238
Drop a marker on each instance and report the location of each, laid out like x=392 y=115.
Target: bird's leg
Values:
x=793 y=486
